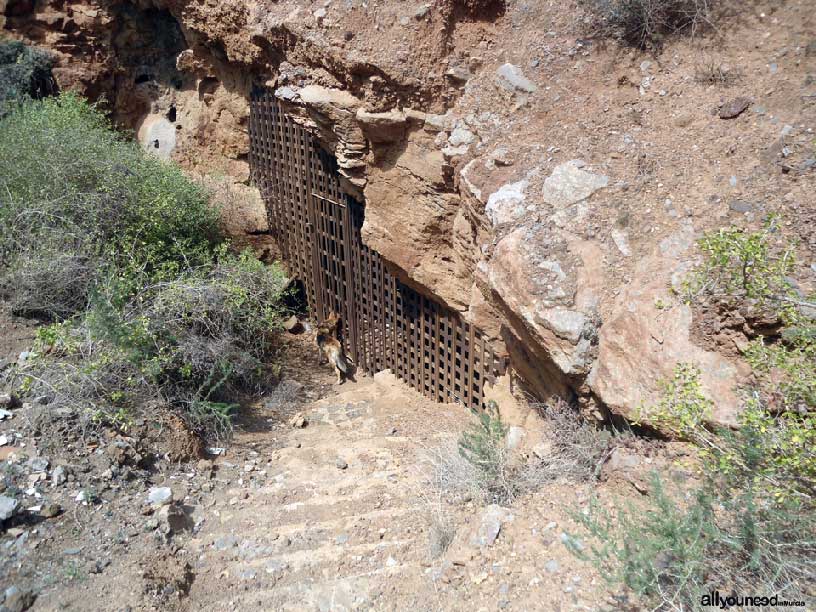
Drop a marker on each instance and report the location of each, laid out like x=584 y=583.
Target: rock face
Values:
x=641 y=344
x=552 y=194
x=569 y=184
x=506 y=204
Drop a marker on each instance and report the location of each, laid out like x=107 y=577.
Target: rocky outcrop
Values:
x=550 y=191
x=644 y=338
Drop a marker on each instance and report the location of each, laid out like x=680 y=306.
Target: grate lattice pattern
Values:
x=386 y=323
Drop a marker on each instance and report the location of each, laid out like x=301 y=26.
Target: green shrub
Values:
x=646 y=23
x=657 y=548
x=783 y=443
x=670 y=550
x=754 y=269
x=682 y=408
x=483 y=445
x=151 y=311
x=82 y=203
x=208 y=329
x=742 y=265
x=786 y=371
x=750 y=527
x=195 y=343
x=25 y=74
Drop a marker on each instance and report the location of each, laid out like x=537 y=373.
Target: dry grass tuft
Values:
x=712 y=72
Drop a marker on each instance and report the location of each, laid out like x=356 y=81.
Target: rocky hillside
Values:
x=548 y=184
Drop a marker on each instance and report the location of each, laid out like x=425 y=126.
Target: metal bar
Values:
x=421 y=375
x=394 y=348
x=383 y=329
x=437 y=357
x=471 y=364
x=459 y=362
x=484 y=369
x=350 y=309
x=305 y=160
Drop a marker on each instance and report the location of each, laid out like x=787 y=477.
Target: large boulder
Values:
x=533 y=274
x=647 y=334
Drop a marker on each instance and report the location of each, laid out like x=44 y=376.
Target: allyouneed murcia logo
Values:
x=724 y=602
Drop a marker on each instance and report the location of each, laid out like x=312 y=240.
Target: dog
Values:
x=328 y=341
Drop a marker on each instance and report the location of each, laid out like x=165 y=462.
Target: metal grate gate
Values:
x=386 y=323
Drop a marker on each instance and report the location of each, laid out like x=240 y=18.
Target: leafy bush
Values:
x=742 y=265
x=777 y=449
x=81 y=203
x=683 y=408
x=25 y=74
x=151 y=312
x=755 y=268
x=646 y=23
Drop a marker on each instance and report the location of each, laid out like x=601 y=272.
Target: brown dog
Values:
x=328 y=342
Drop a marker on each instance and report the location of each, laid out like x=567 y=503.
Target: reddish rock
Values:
x=734 y=108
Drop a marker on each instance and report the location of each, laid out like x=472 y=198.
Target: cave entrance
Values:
x=386 y=323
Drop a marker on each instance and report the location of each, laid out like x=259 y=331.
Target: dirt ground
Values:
x=16 y=335
x=333 y=514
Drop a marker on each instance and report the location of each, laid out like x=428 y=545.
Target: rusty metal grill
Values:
x=386 y=323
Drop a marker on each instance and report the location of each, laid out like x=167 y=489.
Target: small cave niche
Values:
x=146 y=42
x=69 y=26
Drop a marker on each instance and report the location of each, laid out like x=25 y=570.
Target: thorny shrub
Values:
x=479 y=465
x=577 y=448
x=647 y=23
x=750 y=527
x=712 y=72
